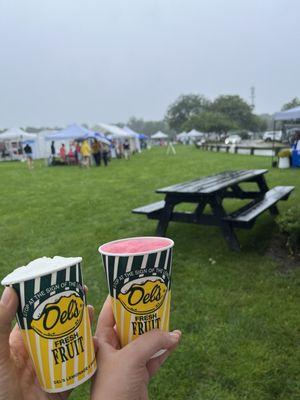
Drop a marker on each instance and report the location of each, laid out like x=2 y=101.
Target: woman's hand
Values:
x=124 y=374
x=18 y=380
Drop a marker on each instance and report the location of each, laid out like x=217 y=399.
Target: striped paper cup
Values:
x=54 y=321
x=138 y=272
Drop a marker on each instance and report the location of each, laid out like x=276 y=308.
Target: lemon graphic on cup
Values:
x=144 y=295
x=58 y=316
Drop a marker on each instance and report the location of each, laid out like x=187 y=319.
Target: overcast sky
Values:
x=66 y=61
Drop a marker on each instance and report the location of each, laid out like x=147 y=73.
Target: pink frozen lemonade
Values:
x=138 y=272
x=139 y=245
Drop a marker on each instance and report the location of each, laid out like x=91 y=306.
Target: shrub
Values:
x=289 y=226
x=284 y=153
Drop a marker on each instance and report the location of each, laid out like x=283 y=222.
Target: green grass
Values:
x=239 y=317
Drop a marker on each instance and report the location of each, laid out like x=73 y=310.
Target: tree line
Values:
x=194 y=111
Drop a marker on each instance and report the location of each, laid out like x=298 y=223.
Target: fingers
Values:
x=106 y=318
x=91 y=312
x=8 y=308
x=146 y=345
x=105 y=331
x=155 y=363
x=96 y=344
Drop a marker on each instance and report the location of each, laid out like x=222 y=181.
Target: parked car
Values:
x=233 y=139
x=269 y=136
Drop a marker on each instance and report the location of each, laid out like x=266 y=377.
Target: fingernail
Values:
x=177 y=331
x=6 y=296
x=175 y=336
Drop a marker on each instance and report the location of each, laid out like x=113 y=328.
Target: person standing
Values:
x=105 y=151
x=28 y=152
x=126 y=148
x=96 y=152
x=77 y=153
x=86 y=154
x=62 y=152
x=52 y=148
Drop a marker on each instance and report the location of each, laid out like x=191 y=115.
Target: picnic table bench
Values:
x=212 y=190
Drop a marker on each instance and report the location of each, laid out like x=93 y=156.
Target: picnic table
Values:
x=212 y=190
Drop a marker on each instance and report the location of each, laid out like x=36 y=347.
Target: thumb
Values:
x=146 y=345
x=8 y=308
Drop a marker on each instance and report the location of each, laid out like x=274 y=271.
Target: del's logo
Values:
x=143 y=295
x=58 y=316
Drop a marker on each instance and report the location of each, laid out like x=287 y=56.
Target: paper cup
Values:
x=54 y=321
x=138 y=272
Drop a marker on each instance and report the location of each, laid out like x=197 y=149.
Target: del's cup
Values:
x=138 y=272
x=54 y=321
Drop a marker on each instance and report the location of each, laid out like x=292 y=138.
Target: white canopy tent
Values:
x=130 y=131
x=114 y=131
x=194 y=134
x=183 y=137
x=14 y=140
x=17 y=134
x=44 y=145
x=159 y=135
x=134 y=135
x=118 y=134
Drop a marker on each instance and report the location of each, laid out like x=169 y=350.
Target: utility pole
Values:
x=252 y=96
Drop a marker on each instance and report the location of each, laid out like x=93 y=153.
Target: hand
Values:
x=18 y=380
x=124 y=374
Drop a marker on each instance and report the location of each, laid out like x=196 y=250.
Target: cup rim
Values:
x=140 y=253
x=11 y=281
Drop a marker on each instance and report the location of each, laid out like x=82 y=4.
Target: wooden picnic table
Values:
x=212 y=190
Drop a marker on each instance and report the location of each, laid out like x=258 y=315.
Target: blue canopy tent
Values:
x=143 y=137
x=71 y=132
x=78 y=133
x=292 y=114
x=95 y=135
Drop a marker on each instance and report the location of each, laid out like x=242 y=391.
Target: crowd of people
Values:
x=84 y=154
x=88 y=153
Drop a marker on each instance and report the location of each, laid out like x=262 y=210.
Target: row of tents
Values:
x=105 y=133
x=40 y=143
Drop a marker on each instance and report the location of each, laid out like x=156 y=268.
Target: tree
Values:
x=258 y=123
x=235 y=108
x=268 y=121
x=293 y=103
x=238 y=110
x=183 y=108
x=209 y=121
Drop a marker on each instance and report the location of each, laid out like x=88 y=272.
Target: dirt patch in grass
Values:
x=278 y=251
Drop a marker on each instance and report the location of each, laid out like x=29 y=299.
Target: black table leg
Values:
x=164 y=219
x=225 y=226
x=263 y=186
x=199 y=209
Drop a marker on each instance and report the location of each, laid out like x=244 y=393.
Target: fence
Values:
x=239 y=149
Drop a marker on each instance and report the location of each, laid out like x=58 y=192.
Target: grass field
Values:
x=239 y=316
